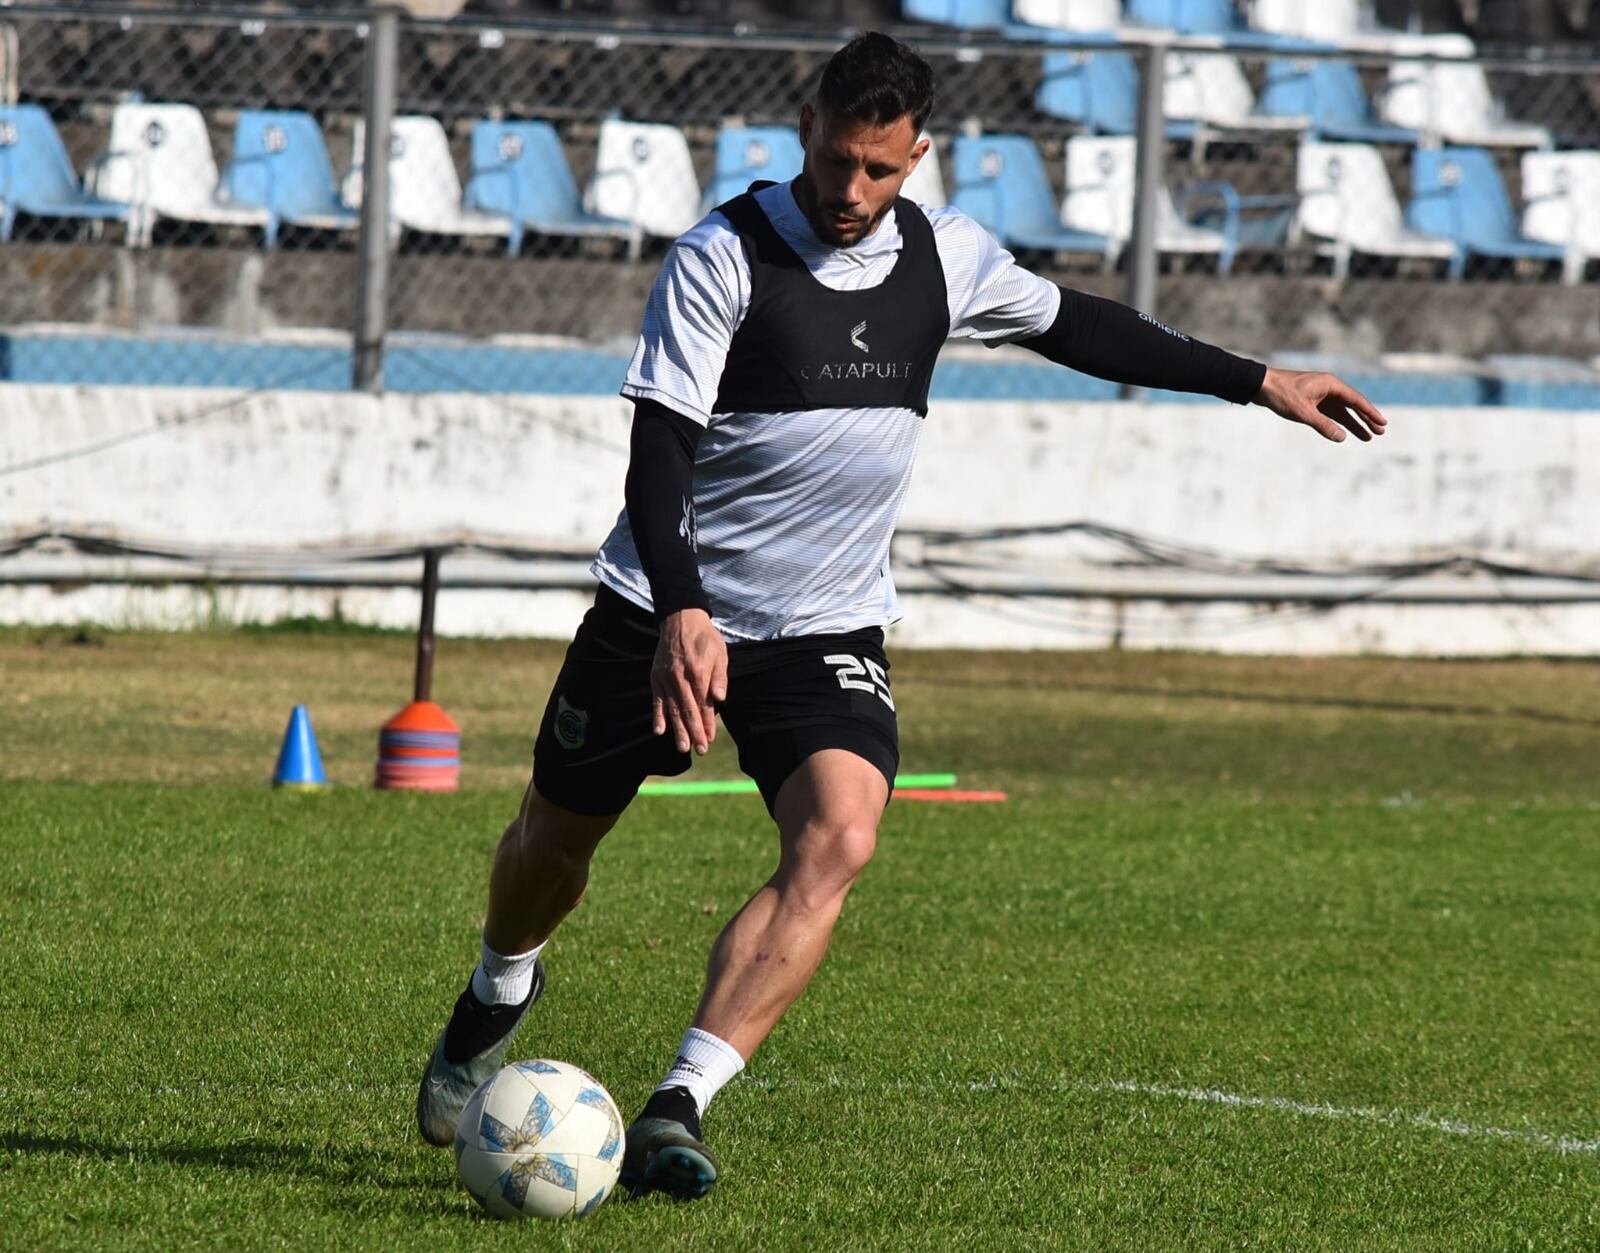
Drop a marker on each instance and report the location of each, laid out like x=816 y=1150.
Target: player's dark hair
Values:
x=875 y=78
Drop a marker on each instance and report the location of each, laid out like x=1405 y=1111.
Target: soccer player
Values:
x=779 y=389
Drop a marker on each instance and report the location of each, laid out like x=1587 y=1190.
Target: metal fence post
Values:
x=372 y=255
x=1143 y=264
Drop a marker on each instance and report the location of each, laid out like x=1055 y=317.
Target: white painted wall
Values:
x=332 y=471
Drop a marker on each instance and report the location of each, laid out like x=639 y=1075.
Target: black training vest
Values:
x=805 y=346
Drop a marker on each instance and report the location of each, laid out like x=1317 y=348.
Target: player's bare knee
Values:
x=826 y=859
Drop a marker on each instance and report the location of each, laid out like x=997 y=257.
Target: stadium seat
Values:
x=1210 y=91
x=1347 y=200
x=520 y=171
x=643 y=174
x=36 y=174
x=424 y=189
x=1559 y=193
x=1001 y=183
x=281 y=165
x=160 y=162
x=966 y=14
x=748 y=153
x=1077 y=15
x=1098 y=91
x=1329 y=97
x=1330 y=20
x=926 y=184
x=1101 y=176
x=1187 y=17
x=1453 y=103
x=1333 y=21
x=1217 y=18
x=1458 y=193
x=1346 y=23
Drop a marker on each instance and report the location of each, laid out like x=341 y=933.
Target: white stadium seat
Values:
x=424 y=188
x=1348 y=23
x=1331 y=21
x=1210 y=89
x=1560 y=192
x=160 y=161
x=1452 y=102
x=643 y=174
x=1346 y=198
x=1101 y=174
x=926 y=184
x=1069 y=14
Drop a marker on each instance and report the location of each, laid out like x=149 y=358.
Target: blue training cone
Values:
x=299 y=761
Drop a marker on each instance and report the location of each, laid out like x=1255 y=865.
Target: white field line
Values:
x=1215 y=1096
x=1389 y=1117
x=1531 y=1136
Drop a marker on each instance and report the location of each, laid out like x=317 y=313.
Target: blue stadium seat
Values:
x=1001 y=183
x=1330 y=94
x=1188 y=17
x=1458 y=193
x=967 y=14
x=36 y=174
x=1205 y=17
x=748 y=153
x=281 y=164
x=520 y=171
x=1098 y=91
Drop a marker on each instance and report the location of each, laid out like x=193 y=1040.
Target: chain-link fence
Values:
x=182 y=193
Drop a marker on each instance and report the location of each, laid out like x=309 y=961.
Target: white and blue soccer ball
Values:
x=539 y=1139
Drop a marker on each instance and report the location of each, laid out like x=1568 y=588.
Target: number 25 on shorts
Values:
x=853 y=672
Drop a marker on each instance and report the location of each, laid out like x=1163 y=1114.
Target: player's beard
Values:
x=849 y=238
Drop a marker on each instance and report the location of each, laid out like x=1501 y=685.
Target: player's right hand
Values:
x=688 y=679
x=1324 y=402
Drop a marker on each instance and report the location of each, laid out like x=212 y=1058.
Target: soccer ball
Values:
x=539 y=1139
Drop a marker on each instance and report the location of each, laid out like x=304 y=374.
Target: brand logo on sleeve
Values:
x=688 y=531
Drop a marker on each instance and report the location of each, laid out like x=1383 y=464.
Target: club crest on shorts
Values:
x=571 y=725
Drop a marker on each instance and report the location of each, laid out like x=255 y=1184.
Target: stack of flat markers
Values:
x=419 y=749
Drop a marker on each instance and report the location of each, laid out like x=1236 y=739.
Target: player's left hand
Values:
x=1324 y=402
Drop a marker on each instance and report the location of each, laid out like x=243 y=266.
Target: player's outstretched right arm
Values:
x=1113 y=341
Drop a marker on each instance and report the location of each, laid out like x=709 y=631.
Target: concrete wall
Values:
x=326 y=473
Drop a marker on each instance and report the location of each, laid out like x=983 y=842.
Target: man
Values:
x=779 y=388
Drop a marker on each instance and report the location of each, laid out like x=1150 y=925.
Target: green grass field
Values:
x=1263 y=953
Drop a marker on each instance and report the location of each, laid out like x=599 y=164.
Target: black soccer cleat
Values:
x=665 y=1153
x=470 y=1050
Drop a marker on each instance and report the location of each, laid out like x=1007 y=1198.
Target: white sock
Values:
x=502 y=980
x=704 y=1065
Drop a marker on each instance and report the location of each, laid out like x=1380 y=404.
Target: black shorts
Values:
x=787 y=699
